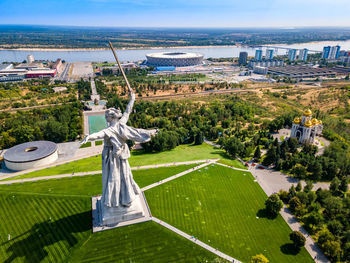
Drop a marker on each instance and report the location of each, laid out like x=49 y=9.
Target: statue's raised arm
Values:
x=128 y=110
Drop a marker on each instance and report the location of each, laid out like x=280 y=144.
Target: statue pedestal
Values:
x=104 y=217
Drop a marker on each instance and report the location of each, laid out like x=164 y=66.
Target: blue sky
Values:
x=177 y=13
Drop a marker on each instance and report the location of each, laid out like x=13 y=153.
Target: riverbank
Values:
x=124 y=48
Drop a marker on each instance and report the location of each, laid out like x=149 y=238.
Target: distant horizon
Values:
x=173 y=27
x=178 y=13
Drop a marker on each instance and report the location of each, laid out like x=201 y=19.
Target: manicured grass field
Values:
x=234 y=163
x=51 y=229
x=90 y=185
x=223 y=207
x=181 y=153
x=42 y=228
x=146 y=242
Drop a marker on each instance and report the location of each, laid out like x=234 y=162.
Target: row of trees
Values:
x=57 y=124
x=325 y=214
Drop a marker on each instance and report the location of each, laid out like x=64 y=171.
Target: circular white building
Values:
x=30 y=155
x=174 y=59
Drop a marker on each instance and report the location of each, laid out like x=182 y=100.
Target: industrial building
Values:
x=243 y=58
x=260 y=70
x=303 y=71
x=175 y=59
x=30 y=155
x=266 y=63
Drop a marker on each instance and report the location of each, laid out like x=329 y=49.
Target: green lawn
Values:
x=90 y=185
x=42 y=228
x=57 y=229
x=145 y=242
x=181 y=153
x=234 y=163
x=223 y=207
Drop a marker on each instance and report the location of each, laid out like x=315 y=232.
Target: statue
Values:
x=120 y=194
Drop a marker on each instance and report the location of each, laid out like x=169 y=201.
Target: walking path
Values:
x=310 y=245
x=234 y=168
x=179 y=175
x=59 y=176
x=195 y=240
x=271 y=187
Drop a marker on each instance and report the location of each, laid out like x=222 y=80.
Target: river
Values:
x=139 y=54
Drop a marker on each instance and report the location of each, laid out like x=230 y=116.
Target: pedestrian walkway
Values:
x=59 y=176
x=271 y=182
x=179 y=175
x=196 y=241
x=234 y=168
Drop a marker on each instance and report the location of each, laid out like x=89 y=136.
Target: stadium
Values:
x=174 y=59
x=30 y=155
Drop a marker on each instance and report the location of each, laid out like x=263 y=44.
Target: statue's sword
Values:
x=120 y=66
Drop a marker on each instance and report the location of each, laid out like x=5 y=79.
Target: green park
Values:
x=50 y=220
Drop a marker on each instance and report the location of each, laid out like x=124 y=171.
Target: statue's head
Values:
x=113 y=114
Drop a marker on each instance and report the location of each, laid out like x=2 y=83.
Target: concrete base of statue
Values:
x=104 y=217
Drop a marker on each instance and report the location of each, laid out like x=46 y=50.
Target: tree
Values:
x=233 y=146
x=334 y=186
x=308 y=186
x=270 y=157
x=198 y=139
x=257 y=154
x=299 y=187
x=332 y=249
x=297 y=238
x=273 y=205
x=294 y=203
x=299 y=171
x=344 y=184
x=260 y=258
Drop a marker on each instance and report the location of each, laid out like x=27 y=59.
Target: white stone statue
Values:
x=119 y=189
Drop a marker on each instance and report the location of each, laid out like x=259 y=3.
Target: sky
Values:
x=177 y=13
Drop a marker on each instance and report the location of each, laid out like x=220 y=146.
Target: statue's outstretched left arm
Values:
x=93 y=137
x=126 y=114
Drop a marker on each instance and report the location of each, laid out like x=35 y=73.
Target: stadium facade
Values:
x=174 y=59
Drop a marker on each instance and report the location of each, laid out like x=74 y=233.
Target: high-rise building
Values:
x=334 y=52
x=258 y=55
x=326 y=51
x=292 y=54
x=269 y=54
x=243 y=57
x=30 y=59
x=303 y=54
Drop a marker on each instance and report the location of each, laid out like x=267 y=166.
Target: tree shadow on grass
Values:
x=46 y=233
x=289 y=249
x=262 y=213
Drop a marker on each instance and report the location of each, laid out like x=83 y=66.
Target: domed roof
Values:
x=297 y=120
x=308 y=123
x=314 y=121
x=307 y=112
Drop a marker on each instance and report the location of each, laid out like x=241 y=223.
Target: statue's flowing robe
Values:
x=119 y=187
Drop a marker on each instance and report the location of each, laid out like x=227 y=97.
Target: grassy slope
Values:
x=179 y=154
x=42 y=229
x=209 y=205
x=146 y=242
x=90 y=185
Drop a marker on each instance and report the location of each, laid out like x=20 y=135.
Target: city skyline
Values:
x=177 y=13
